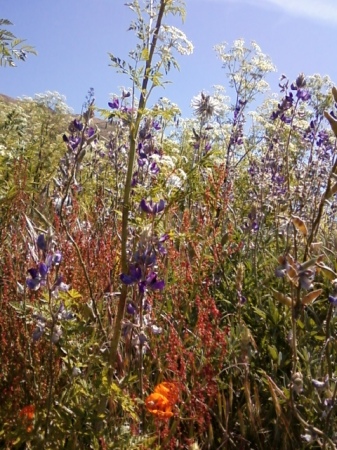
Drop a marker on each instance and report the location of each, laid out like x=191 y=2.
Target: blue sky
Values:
x=73 y=38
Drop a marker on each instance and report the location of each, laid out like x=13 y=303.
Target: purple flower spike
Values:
x=154 y=169
x=114 y=104
x=41 y=242
x=142 y=287
x=74 y=142
x=157 y=285
x=145 y=257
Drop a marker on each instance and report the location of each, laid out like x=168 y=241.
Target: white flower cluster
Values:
x=168 y=167
x=173 y=37
x=52 y=100
x=247 y=67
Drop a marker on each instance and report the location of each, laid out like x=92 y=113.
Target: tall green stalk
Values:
x=134 y=127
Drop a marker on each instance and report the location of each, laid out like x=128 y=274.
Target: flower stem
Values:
x=134 y=127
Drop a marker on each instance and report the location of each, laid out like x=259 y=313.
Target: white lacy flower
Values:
x=177 y=39
x=164 y=160
x=54 y=101
x=176 y=180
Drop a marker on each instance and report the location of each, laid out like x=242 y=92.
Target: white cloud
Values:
x=319 y=10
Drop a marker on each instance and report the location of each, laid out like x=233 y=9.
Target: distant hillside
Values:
x=102 y=124
x=7 y=99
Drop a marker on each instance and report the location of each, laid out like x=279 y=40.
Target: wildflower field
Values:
x=170 y=282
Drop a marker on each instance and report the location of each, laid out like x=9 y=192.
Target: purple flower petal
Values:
x=78 y=125
x=159 y=207
x=33 y=272
x=303 y=94
x=114 y=104
x=57 y=258
x=43 y=269
x=131 y=309
x=156 y=125
x=41 y=242
x=142 y=287
x=333 y=300
x=158 y=285
x=153 y=283
x=151 y=277
x=90 y=131
x=127 y=279
x=135 y=272
x=146 y=207
x=33 y=284
x=38 y=332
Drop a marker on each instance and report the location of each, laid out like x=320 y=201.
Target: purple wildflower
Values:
x=152 y=208
x=43 y=270
x=78 y=125
x=156 y=125
x=131 y=309
x=303 y=94
x=63 y=313
x=73 y=142
x=57 y=258
x=333 y=300
x=114 y=104
x=151 y=282
x=41 y=242
x=38 y=332
x=145 y=257
x=59 y=285
x=90 y=132
x=38 y=277
x=135 y=274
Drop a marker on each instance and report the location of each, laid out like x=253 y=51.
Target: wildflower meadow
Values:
x=169 y=282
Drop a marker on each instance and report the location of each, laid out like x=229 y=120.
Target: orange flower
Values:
x=160 y=403
x=27 y=415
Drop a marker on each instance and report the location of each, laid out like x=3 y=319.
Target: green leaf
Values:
x=145 y=54
x=273 y=352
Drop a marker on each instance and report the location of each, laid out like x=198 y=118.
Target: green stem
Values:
x=317 y=220
x=134 y=127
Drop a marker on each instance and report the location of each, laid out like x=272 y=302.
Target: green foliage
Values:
x=12 y=48
x=244 y=238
